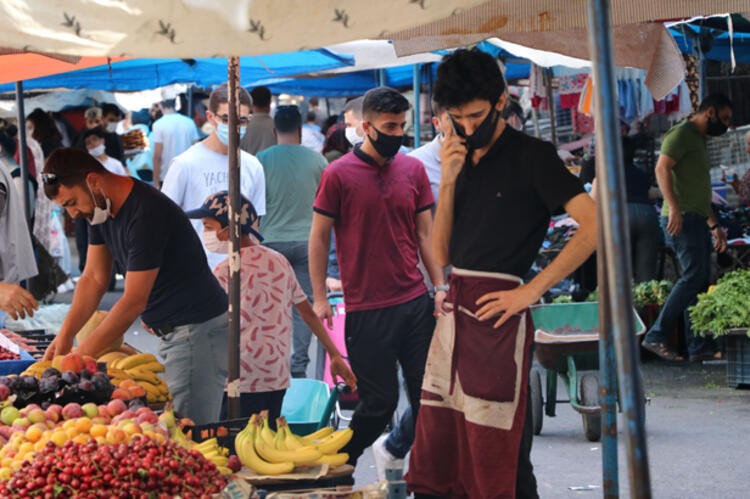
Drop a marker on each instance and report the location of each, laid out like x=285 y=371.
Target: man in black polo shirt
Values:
x=168 y=281
x=498 y=190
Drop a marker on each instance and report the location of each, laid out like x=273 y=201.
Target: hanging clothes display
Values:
x=537 y=88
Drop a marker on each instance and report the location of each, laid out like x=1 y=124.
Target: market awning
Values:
x=210 y=28
x=24 y=66
x=143 y=74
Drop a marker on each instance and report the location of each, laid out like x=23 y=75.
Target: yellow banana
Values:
x=319 y=434
x=279 y=442
x=266 y=433
x=224 y=470
x=244 y=445
x=135 y=360
x=333 y=460
x=300 y=457
x=335 y=441
x=294 y=442
x=107 y=358
x=139 y=374
x=207 y=444
x=154 y=367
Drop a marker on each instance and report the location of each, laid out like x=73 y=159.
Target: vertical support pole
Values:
x=233 y=385
x=417 y=105
x=613 y=224
x=535 y=119
x=23 y=159
x=189 y=98
x=382 y=80
x=607 y=368
x=551 y=105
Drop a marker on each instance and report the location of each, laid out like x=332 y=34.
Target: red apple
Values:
x=72 y=410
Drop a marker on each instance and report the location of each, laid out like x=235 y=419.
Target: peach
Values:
x=72 y=410
x=72 y=362
x=37 y=415
x=116 y=406
x=89 y=363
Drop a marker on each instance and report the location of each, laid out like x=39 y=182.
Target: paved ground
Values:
x=698 y=433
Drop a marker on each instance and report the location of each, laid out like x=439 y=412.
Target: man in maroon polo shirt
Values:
x=378 y=203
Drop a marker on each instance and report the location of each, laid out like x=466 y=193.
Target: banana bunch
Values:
x=215 y=453
x=37 y=368
x=143 y=369
x=272 y=453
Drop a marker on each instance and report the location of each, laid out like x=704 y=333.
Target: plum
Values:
x=51 y=371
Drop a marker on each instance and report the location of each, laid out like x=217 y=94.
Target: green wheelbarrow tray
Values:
x=566 y=341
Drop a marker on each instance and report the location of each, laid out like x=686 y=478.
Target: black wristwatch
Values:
x=713 y=227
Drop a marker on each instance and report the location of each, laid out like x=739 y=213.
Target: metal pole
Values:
x=233 y=385
x=189 y=99
x=23 y=159
x=382 y=80
x=613 y=224
x=607 y=369
x=417 y=106
x=551 y=106
x=535 y=119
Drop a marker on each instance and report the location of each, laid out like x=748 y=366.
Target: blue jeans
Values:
x=195 y=359
x=296 y=253
x=645 y=240
x=693 y=249
x=401 y=437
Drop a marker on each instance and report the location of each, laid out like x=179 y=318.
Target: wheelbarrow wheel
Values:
x=537 y=402
x=592 y=423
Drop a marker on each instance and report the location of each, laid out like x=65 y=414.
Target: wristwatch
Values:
x=442 y=287
x=713 y=227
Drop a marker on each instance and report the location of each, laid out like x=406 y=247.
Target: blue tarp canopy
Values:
x=144 y=74
x=718 y=42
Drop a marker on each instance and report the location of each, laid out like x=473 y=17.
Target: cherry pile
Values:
x=141 y=469
x=6 y=354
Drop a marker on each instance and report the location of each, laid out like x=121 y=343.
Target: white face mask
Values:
x=97 y=151
x=352 y=137
x=100 y=215
x=112 y=126
x=212 y=243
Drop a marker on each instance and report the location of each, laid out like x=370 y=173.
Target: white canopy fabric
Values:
x=208 y=28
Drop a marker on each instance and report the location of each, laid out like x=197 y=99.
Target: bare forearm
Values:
x=443 y=226
x=575 y=252
x=318 y=254
x=157 y=169
x=433 y=269
x=316 y=326
x=114 y=326
x=86 y=298
x=664 y=180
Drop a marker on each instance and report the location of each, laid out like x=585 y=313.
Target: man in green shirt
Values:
x=292 y=176
x=689 y=223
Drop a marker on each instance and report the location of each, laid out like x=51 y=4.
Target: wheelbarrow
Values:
x=566 y=344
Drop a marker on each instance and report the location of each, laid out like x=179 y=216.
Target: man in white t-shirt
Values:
x=93 y=140
x=172 y=135
x=203 y=169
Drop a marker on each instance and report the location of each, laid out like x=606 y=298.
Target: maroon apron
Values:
x=473 y=404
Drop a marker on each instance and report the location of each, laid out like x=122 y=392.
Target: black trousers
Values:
x=253 y=403
x=376 y=340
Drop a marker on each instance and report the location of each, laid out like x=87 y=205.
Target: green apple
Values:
x=9 y=414
x=90 y=409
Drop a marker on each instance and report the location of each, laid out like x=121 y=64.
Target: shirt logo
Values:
x=499 y=195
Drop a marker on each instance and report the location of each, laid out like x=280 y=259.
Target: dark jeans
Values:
x=296 y=253
x=693 y=249
x=375 y=341
x=645 y=240
x=253 y=403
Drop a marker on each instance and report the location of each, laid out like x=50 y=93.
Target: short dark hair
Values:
x=436 y=107
x=261 y=96
x=287 y=119
x=313 y=101
x=7 y=144
x=109 y=108
x=97 y=130
x=44 y=125
x=466 y=75
x=355 y=106
x=384 y=100
x=169 y=103
x=220 y=95
x=311 y=116
x=70 y=166
x=512 y=106
x=716 y=101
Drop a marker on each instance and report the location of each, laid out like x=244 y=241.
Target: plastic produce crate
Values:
x=738 y=357
x=16 y=366
x=224 y=431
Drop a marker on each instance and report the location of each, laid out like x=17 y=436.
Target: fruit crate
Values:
x=738 y=357
x=14 y=366
x=224 y=431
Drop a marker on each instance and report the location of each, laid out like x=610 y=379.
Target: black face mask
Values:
x=715 y=127
x=483 y=133
x=386 y=145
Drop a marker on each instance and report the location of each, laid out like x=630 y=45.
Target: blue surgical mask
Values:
x=222 y=132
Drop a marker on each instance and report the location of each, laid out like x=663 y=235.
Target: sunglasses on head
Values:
x=52 y=178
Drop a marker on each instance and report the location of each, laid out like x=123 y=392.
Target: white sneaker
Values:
x=384 y=460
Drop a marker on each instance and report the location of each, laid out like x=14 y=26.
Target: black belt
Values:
x=163 y=330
